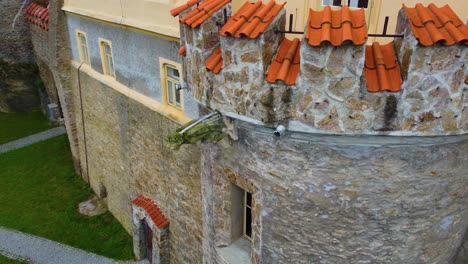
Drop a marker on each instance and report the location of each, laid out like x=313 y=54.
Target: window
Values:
x=350 y=3
x=358 y=3
x=247 y=214
x=106 y=58
x=170 y=81
x=83 y=47
x=331 y=2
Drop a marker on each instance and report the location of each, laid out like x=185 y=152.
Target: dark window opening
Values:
x=248 y=215
x=358 y=3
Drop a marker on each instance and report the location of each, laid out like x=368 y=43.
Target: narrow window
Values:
x=172 y=77
x=248 y=214
x=83 y=48
x=107 y=59
x=331 y=2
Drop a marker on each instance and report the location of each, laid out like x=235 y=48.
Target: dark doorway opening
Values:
x=147 y=240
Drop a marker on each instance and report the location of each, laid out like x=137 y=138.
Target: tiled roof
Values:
x=252 y=19
x=433 y=24
x=152 y=210
x=286 y=65
x=176 y=11
x=381 y=70
x=215 y=62
x=336 y=26
x=37 y=15
x=182 y=51
x=204 y=11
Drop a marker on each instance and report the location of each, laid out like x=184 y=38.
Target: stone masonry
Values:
x=330 y=94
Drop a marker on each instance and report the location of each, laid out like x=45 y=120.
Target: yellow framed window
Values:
x=107 y=58
x=174 y=95
x=83 y=47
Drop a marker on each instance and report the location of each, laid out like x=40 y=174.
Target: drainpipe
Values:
x=83 y=124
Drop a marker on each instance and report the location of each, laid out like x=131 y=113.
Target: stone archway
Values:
x=150 y=231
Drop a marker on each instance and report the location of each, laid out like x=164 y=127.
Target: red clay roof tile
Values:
x=381 y=69
x=204 y=11
x=176 y=11
x=286 y=65
x=214 y=63
x=336 y=26
x=252 y=19
x=183 y=51
x=433 y=24
x=153 y=211
x=37 y=15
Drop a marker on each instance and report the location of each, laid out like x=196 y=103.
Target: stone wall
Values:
x=330 y=94
x=52 y=52
x=123 y=142
x=328 y=199
x=18 y=72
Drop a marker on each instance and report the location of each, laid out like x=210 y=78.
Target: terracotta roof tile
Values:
x=336 y=26
x=215 y=62
x=286 y=65
x=176 y=11
x=204 y=11
x=183 y=51
x=433 y=24
x=152 y=210
x=381 y=70
x=252 y=19
x=37 y=15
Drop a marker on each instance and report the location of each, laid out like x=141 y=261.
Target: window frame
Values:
x=164 y=65
x=84 y=59
x=106 y=69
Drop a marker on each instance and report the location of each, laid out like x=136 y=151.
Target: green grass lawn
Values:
x=40 y=193
x=5 y=260
x=18 y=125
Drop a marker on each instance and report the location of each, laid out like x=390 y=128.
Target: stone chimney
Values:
x=434 y=57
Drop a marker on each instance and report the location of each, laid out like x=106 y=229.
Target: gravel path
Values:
x=32 y=249
x=22 y=142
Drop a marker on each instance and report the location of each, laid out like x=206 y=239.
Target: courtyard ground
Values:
x=40 y=193
x=17 y=125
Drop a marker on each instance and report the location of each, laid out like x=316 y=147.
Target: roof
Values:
x=252 y=19
x=433 y=24
x=183 y=51
x=381 y=69
x=176 y=11
x=286 y=65
x=37 y=15
x=336 y=26
x=204 y=11
x=214 y=63
x=152 y=210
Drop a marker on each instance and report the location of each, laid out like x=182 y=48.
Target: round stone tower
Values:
x=372 y=166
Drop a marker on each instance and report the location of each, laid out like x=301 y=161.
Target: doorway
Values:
x=147 y=240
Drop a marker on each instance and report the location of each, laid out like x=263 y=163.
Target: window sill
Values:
x=238 y=252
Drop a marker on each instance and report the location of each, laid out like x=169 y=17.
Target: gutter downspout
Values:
x=83 y=124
